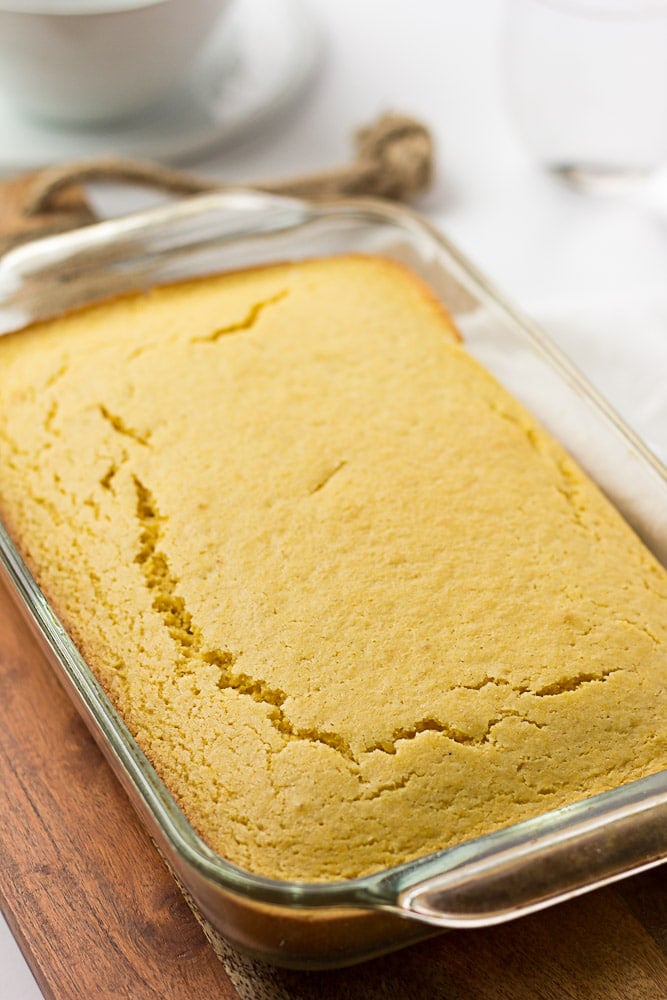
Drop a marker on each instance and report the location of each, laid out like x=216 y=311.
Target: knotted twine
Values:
x=394 y=160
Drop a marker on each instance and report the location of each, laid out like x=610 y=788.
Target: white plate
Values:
x=259 y=59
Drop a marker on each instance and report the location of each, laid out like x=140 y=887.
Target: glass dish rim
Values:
x=377 y=890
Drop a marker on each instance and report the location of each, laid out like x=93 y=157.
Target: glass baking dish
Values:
x=497 y=877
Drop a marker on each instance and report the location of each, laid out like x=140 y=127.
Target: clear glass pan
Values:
x=497 y=877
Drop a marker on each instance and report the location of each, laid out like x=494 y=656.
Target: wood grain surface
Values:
x=98 y=916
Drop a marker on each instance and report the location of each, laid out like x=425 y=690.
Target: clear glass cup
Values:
x=587 y=83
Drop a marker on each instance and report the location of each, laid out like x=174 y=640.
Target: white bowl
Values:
x=80 y=61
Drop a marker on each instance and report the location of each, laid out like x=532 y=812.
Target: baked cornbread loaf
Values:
x=352 y=601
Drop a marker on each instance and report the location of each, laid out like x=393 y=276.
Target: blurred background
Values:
x=550 y=156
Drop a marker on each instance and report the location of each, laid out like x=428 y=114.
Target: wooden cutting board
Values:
x=97 y=915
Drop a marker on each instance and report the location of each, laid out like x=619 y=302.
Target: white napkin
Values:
x=620 y=345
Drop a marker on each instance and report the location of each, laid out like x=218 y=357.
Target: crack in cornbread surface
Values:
x=354 y=604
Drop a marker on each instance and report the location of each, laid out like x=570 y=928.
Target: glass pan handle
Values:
x=543 y=867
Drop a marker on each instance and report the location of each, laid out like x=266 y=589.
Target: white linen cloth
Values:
x=598 y=336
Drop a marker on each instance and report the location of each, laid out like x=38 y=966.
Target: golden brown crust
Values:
x=352 y=601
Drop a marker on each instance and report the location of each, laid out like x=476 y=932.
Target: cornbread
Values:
x=354 y=604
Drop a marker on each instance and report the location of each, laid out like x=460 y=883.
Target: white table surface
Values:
x=574 y=261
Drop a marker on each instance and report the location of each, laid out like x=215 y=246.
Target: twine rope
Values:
x=394 y=160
